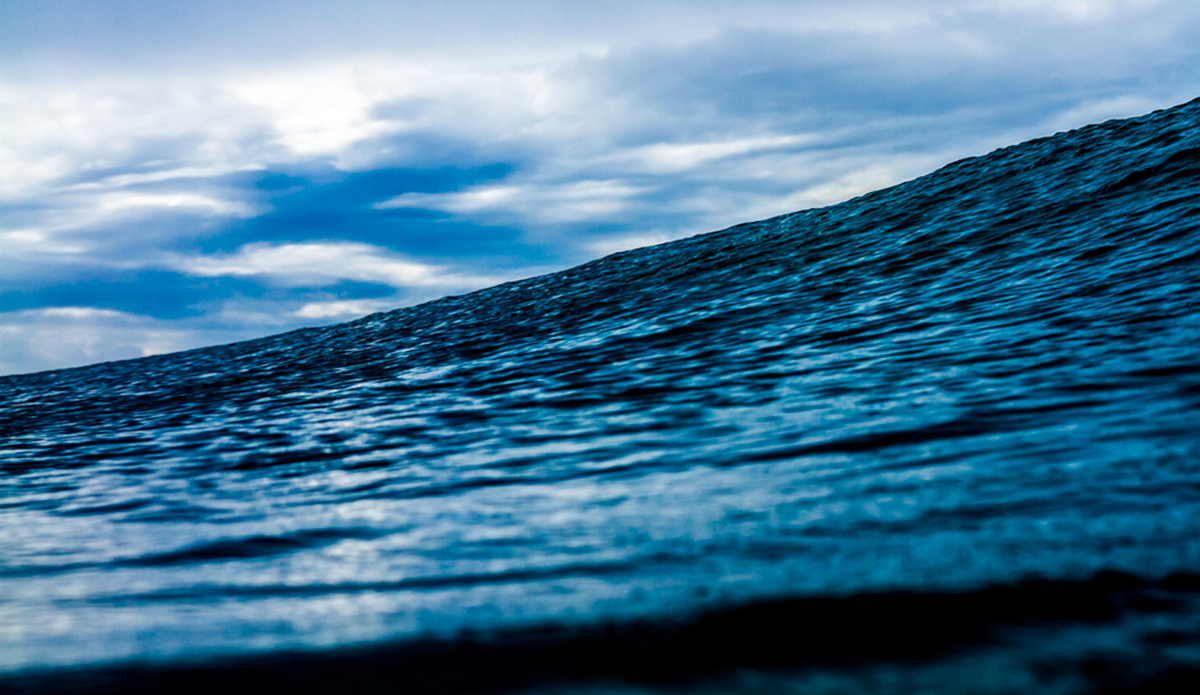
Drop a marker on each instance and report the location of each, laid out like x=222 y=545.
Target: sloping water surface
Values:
x=941 y=431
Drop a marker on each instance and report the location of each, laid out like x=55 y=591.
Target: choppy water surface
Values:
x=780 y=456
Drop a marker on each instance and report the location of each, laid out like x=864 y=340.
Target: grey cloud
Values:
x=511 y=142
x=868 y=108
x=183 y=36
x=1011 y=63
x=188 y=35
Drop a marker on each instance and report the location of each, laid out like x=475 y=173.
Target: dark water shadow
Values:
x=826 y=632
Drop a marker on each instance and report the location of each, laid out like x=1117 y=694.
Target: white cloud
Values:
x=81 y=312
x=127 y=201
x=320 y=110
x=21 y=242
x=60 y=129
x=610 y=245
x=851 y=185
x=341 y=309
x=60 y=337
x=124 y=180
x=549 y=203
x=1079 y=10
x=672 y=157
x=72 y=336
x=323 y=265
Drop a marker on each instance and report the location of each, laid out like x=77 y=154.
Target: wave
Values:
x=870 y=420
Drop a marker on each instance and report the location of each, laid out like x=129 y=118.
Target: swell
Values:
x=984 y=373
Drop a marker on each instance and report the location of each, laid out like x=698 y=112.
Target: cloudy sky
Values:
x=184 y=173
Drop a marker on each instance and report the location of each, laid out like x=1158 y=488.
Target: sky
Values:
x=175 y=174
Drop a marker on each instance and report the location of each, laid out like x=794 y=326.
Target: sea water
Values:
x=944 y=435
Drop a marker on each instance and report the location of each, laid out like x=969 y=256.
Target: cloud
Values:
x=323 y=265
x=18 y=243
x=322 y=110
x=58 y=337
x=573 y=201
x=123 y=180
x=125 y=201
x=319 y=203
x=1080 y=10
x=609 y=245
x=341 y=309
x=206 y=170
x=672 y=157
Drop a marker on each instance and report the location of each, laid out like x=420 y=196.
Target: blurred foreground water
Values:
x=942 y=437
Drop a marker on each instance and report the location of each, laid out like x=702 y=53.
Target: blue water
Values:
x=976 y=393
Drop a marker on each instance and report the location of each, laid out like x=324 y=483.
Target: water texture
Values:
x=942 y=436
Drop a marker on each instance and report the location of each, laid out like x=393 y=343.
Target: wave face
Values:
x=951 y=387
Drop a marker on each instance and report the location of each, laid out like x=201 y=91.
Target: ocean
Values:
x=943 y=437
